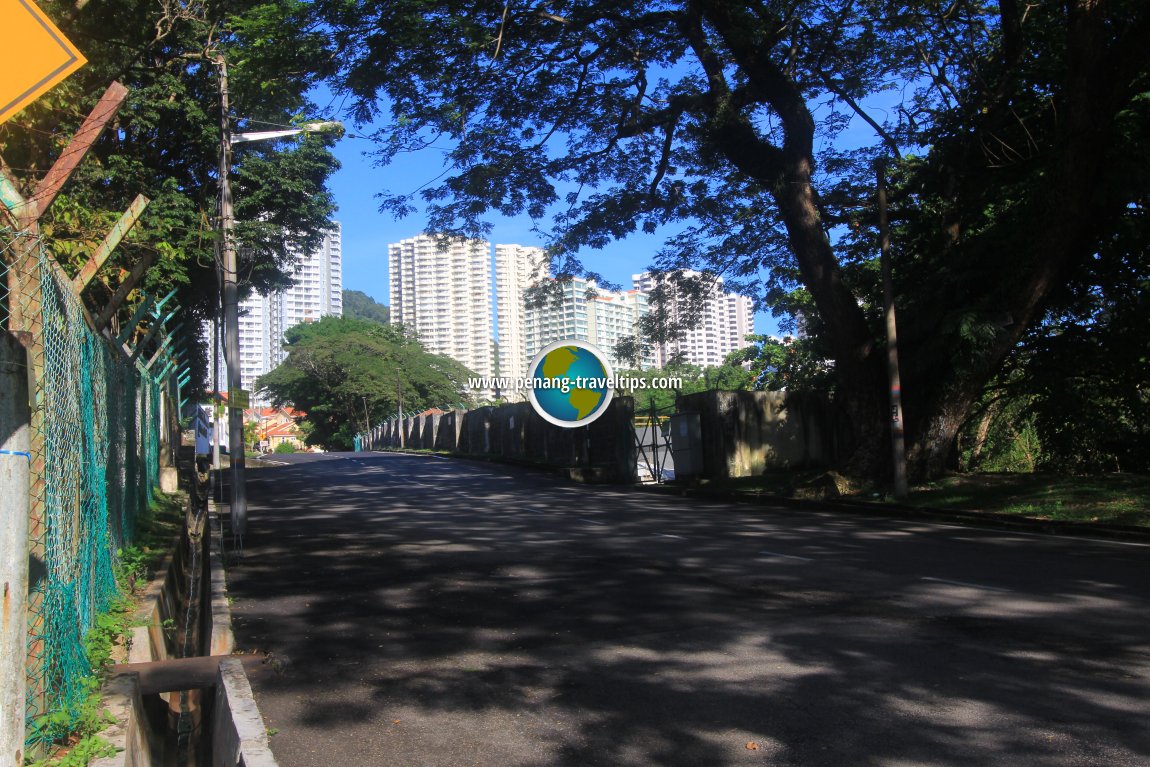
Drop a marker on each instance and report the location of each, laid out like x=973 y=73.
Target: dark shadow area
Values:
x=422 y=611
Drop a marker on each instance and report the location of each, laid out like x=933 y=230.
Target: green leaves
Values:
x=165 y=142
x=343 y=372
x=359 y=305
x=752 y=131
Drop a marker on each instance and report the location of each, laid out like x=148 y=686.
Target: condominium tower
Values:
x=317 y=291
x=441 y=289
x=725 y=322
x=587 y=312
x=517 y=268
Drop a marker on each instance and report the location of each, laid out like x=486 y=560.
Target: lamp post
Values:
x=239 y=504
x=399 y=405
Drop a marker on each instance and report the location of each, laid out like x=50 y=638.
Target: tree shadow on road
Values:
x=411 y=631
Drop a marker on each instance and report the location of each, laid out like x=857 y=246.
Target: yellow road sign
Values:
x=239 y=398
x=34 y=55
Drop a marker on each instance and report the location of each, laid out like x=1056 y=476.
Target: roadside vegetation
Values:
x=75 y=730
x=1112 y=499
x=348 y=373
x=1104 y=498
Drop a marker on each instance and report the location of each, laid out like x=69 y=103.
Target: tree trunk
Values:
x=1014 y=266
x=983 y=432
x=861 y=397
x=932 y=451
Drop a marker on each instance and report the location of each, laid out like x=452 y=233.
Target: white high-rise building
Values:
x=317 y=291
x=587 y=313
x=441 y=289
x=726 y=320
x=517 y=268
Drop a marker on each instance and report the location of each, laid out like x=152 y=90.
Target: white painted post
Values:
x=15 y=462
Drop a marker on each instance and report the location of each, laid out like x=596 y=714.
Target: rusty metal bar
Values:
x=155 y=328
x=137 y=315
x=163 y=348
x=162 y=301
x=10 y=197
x=100 y=254
x=185 y=673
x=85 y=137
x=126 y=287
x=163 y=374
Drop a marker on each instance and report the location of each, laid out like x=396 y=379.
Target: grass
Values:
x=1118 y=499
x=155 y=529
x=772 y=483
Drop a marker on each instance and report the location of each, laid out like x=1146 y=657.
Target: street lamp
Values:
x=239 y=505
x=399 y=405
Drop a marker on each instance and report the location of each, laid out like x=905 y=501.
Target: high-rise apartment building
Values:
x=517 y=268
x=317 y=291
x=441 y=289
x=725 y=322
x=587 y=313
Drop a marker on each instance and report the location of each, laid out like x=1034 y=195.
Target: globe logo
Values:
x=571 y=383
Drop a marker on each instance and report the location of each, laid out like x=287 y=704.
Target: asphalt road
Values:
x=424 y=612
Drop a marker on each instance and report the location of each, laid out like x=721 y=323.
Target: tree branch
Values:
x=882 y=133
x=664 y=159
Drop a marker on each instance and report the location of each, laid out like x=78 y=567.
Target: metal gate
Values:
x=651 y=431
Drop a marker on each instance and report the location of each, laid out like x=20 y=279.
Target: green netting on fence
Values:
x=8 y=244
x=97 y=419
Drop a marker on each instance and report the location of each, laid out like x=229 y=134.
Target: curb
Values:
x=983 y=519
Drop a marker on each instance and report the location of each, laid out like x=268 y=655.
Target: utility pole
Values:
x=216 y=411
x=230 y=288
x=897 y=433
x=367 y=417
x=239 y=501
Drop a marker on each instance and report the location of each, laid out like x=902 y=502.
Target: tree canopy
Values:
x=730 y=376
x=345 y=372
x=1016 y=135
x=165 y=142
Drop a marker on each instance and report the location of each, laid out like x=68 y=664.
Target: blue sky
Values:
x=367 y=232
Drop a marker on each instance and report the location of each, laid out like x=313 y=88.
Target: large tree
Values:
x=165 y=142
x=344 y=373
x=1012 y=128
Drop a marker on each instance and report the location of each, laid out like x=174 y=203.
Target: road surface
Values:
x=426 y=612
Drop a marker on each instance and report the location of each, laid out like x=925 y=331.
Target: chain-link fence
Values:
x=96 y=455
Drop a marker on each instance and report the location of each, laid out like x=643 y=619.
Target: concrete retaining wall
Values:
x=137 y=742
x=743 y=434
x=746 y=433
x=447 y=437
x=603 y=451
x=428 y=430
